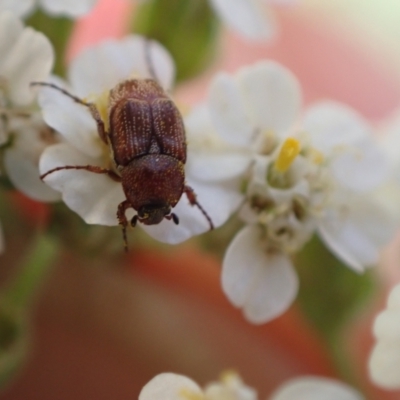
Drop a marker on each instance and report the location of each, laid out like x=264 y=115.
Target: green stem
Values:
x=34 y=268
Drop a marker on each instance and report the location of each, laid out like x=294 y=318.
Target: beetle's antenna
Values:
x=147 y=54
x=191 y=195
x=91 y=106
x=53 y=86
x=91 y=168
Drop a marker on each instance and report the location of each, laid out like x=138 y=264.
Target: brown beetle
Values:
x=146 y=137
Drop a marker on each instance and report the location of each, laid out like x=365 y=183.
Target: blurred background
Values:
x=102 y=326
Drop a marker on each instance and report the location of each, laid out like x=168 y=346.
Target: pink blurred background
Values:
x=102 y=330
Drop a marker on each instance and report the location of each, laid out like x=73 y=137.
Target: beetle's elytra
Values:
x=146 y=138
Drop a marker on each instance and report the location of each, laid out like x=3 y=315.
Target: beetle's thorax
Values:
x=153 y=181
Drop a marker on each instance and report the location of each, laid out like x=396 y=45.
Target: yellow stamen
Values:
x=289 y=151
x=190 y=395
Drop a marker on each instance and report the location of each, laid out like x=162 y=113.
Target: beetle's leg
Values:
x=91 y=106
x=90 y=168
x=191 y=195
x=122 y=220
x=174 y=218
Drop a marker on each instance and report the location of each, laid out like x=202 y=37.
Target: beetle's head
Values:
x=153 y=214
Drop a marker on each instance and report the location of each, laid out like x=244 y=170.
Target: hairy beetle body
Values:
x=165 y=175
x=144 y=120
x=146 y=137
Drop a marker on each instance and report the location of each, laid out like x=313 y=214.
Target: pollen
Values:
x=287 y=154
x=316 y=156
x=229 y=376
x=101 y=102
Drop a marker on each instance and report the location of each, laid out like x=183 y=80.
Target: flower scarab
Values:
x=145 y=134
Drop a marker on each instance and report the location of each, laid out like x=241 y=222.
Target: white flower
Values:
x=251 y=18
x=320 y=173
x=96 y=197
x=315 y=388
x=384 y=361
x=25 y=56
x=390 y=142
x=29 y=137
x=169 y=386
x=70 y=8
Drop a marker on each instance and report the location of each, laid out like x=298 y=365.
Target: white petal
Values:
x=20 y=8
x=169 y=386
x=394 y=298
x=315 y=388
x=264 y=285
x=349 y=243
x=347 y=140
x=361 y=168
x=10 y=29
x=72 y=8
x=30 y=59
x=101 y=67
x=211 y=159
x=227 y=111
x=219 y=201
x=71 y=119
x=214 y=167
x=357 y=235
x=247 y=17
x=387 y=325
x=24 y=175
x=384 y=364
x=333 y=125
x=272 y=96
x=95 y=197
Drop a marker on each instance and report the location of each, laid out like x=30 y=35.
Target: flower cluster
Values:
x=318 y=171
x=230 y=387
x=26 y=56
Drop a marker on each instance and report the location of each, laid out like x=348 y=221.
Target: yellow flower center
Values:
x=101 y=102
x=289 y=151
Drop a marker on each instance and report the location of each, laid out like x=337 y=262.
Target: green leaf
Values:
x=15 y=302
x=187 y=28
x=330 y=292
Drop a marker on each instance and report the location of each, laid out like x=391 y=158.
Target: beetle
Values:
x=146 y=139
